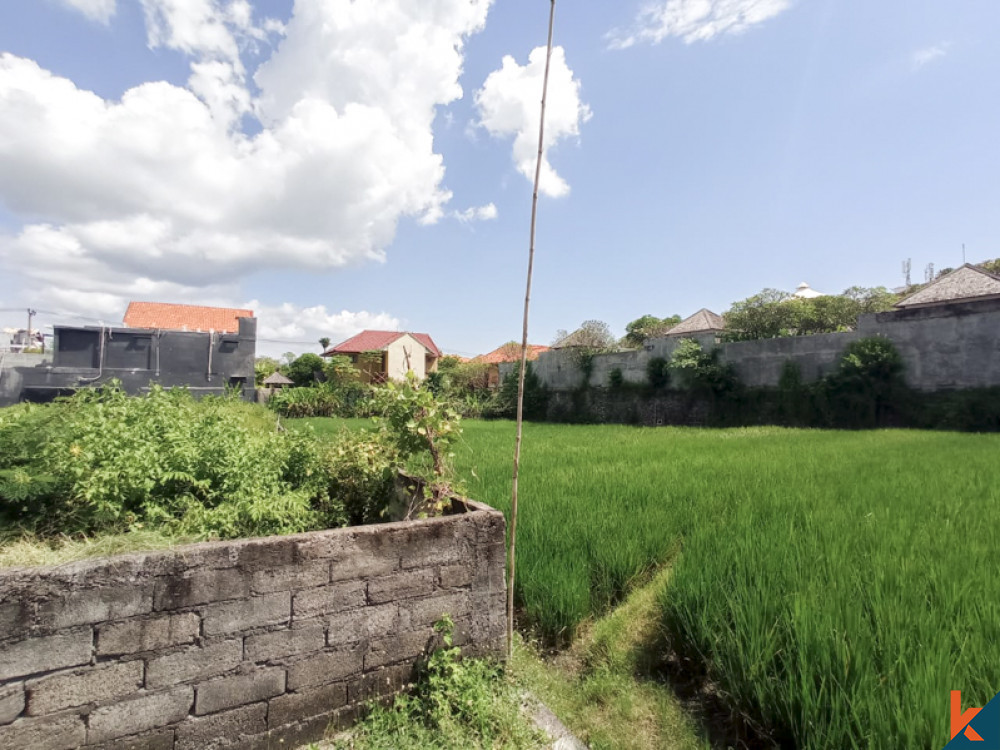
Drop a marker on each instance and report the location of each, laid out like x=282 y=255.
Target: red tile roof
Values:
x=373 y=341
x=511 y=352
x=184 y=317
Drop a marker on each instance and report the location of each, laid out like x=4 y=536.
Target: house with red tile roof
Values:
x=384 y=355
x=509 y=352
x=172 y=317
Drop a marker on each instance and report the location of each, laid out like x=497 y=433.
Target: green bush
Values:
x=658 y=372
x=102 y=461
x=615 y=378
x=536 y=396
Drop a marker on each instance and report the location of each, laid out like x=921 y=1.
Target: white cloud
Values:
x=161 y=195
x=477 y=213
x=97 y=10
x=280 y=324
x=925 y=56
x=509 y=104
x=695 y=20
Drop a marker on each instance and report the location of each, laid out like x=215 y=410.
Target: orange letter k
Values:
x=960 y=721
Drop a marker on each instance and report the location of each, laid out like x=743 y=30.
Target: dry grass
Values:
x=30 y=551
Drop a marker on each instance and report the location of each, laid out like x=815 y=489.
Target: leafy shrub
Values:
x=615 y=378
x=658 y=372
x=103 y=461
x=536 y=396
x=701 y=371
x=455 y=703
x=304 y=402
x=867 y=388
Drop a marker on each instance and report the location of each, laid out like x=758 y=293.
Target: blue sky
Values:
x=340 y=166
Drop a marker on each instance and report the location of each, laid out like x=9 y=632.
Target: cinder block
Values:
x=156 y=740
x=366 y=558
x=424 y=612
x=238 y=690
x=385 y=681
x=265 y=554
x=294 y=707
x=326 y=599
x=280 y=644
x=16 y=618
x=135 y=715
x=397 y=648
x=200 y=587
x=134 y=636
x=324 y=668
x=96 y=605
x=59 y=691
x=194 y=663
x=401 y=586
x=11 y=702
x=360 y=624
x=455 y=576
x=231 y=617
x=44 y=733
x=35 y=655
x=290 y=577
x=234 y=726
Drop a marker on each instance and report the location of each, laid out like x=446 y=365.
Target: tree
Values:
x=762 y=316
x=991 y=266
x=325 y=343
x=264 y=367
x=338 y=371
x=304 y=369
x=592 y=334
x=648 y=326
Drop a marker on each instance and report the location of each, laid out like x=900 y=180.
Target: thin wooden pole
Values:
x=512 y=544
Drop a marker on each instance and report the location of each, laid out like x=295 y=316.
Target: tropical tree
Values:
x=648 y=326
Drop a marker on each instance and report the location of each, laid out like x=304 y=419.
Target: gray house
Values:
x=206 y=362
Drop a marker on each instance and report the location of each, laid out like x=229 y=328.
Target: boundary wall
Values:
x=258 y=643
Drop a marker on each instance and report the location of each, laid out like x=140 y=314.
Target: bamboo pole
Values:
x=512 y=543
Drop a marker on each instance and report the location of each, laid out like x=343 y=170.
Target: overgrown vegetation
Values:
x=164 y=465
x=456 y=703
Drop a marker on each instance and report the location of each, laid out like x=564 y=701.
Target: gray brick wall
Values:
x=252 y=643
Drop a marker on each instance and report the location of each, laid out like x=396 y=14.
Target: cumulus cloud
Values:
x=509 y=105
x=925 y=56
x=97 y=10
x=280 y=324
x=695 y=20
x=162 y=194
x=477 y=213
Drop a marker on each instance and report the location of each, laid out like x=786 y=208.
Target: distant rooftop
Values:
x=373 y=341
x=804 y=291
x=703 y=321
x=175 y=317
x=965 y=283
x=511 y=352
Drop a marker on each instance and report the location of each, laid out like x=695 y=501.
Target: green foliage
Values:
x=658 y=372
x=868 y=386
x=340 y=372
x=102 y=461
x=702 y=371
x=305 y=402
x=264 y=367
x=305 y=369
x=642 y=329
x=991 y=266
x=456 y=704
x=536 y=395
x=361 y=468
x=772 y=313
x=816 y=582
x=615 y=378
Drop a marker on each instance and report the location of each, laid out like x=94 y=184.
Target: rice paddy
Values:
x=834 y=586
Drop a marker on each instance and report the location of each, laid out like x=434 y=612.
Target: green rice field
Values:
x=834 y=586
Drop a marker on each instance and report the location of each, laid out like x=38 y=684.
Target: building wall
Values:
x=397 y=358
x=11 y=377
x=205 y=363
x=943 y=347
x=251 y=643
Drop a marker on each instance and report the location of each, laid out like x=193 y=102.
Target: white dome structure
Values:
x=804 y=291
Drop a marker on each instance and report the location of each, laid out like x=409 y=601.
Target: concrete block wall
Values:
x=259 y=643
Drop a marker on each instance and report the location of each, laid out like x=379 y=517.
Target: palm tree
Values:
x=325 y=343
